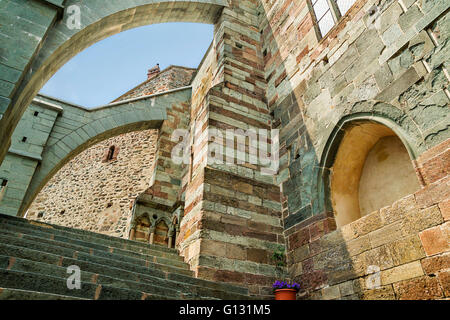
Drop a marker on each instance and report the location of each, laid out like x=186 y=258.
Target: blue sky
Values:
x=111 y=67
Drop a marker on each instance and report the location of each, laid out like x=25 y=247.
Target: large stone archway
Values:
x=54 y=41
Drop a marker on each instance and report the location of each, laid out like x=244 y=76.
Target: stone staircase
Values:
x=34 y=258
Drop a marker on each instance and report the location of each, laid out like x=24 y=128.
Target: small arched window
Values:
x=111 y=154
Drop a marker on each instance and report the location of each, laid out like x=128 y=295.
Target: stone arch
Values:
x=375 y=125
x=162 y=230
x=98 y=21
x=165 y=219
x=91 y=126
x=141 y=230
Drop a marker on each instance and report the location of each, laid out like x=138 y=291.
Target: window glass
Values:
x=326 y=23
x=344 y=5
x=320 y=8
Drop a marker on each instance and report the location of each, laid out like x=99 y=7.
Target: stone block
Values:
x=299 y=238
x=301 y=253
x=382 y=293
x=386 y=234
x=423 y=288
x=392 y=34
x=344 y=61
x=435 y=264
x=409 y=18
x=358 y=245
x=236 y=252
x=398 y=210
x=388 y=16
x=380 y=256
x=258 y=255
x=444 y=279
x=433 y=193
x=406 y=250
x=418 y=220
x=436 y=240
x=367 y=224
x=444 y=206
x=347 y=288
x=397 y=87
x=383 y=76
x=295 y=269
x=400 y=273
x=331 y=293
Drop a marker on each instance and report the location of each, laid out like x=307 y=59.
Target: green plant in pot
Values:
x=283 y=290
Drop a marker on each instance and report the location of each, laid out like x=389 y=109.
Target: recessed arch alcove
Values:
x=371 y=169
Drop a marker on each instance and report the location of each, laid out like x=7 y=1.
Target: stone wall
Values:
x=385 y=62
x=28 y=142
x=170 y=78
x=91 y=194
x=401 y=251
x=382 y=62
x=232 y=225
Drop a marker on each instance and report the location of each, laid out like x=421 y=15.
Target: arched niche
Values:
x=371 y=169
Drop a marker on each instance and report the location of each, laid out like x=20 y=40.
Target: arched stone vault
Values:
x=371 y=111
x=85 y=127
x=99 y=20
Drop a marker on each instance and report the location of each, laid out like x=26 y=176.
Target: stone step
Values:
x=139 y=265
x=85 y=247
x=27 y=266
x=152 y=276
x=145 y=284
x=28 y=281
x=15 y=294
x=91 y=237
x=64 y=237
x=50 y=248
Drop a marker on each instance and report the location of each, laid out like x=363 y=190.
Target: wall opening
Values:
x=162 y=233
x=372 y=169
x=110 y=155
x=3 y=184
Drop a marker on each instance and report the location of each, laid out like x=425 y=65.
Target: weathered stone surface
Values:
x=331 y=293
x=400 y=273
x=444 y=206
x=436 y=240
x=406 y=250
x=409 y=18
x=383 y=293
x=90 y=191
x=419 y=288
x=419 y=220
x=380 y=256
x=434 y=264
x=386 y=234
